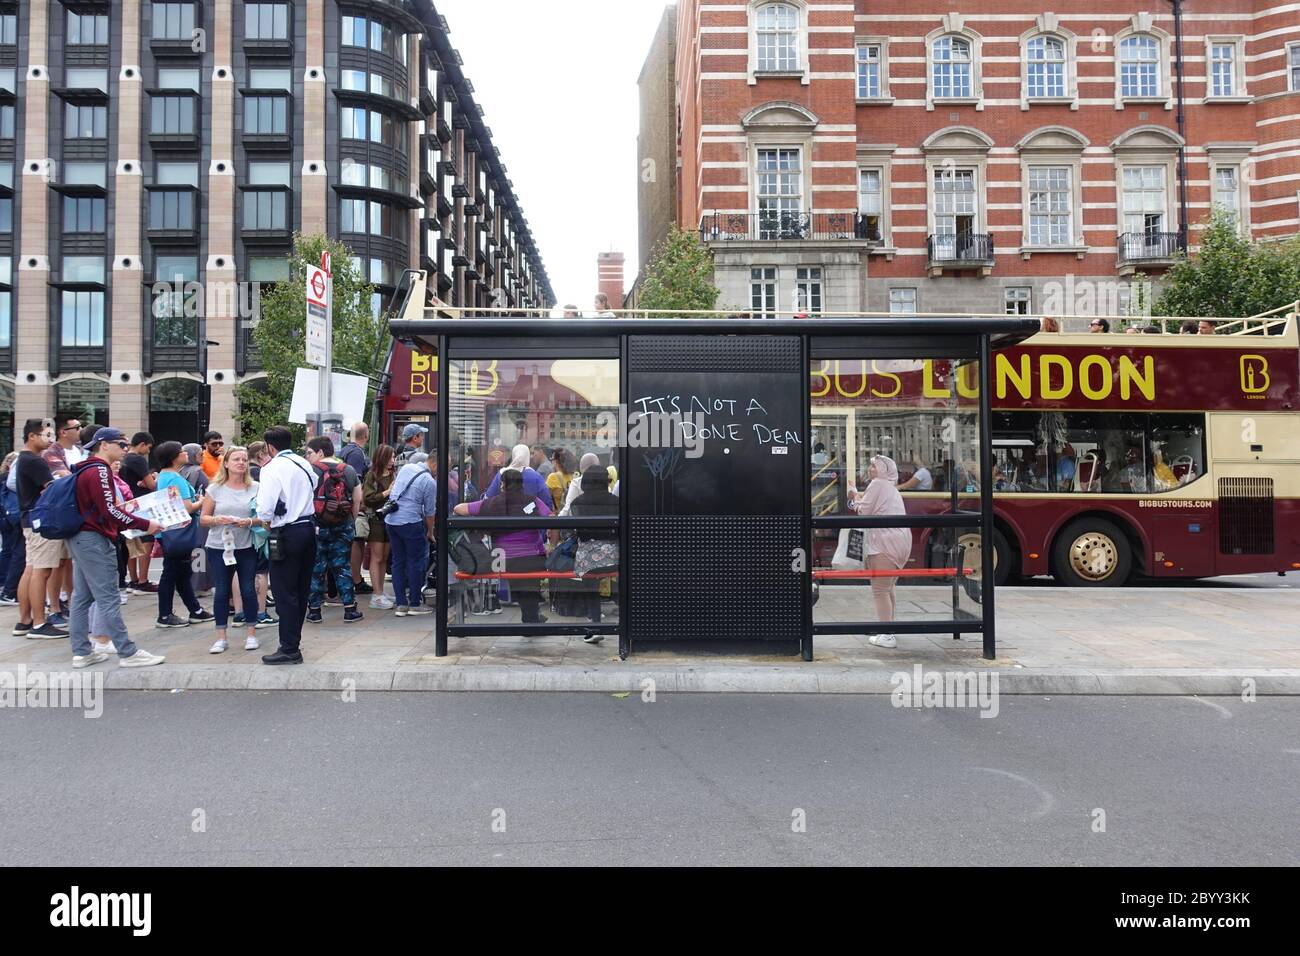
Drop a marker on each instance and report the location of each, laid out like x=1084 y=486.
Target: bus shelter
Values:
x=733 y=517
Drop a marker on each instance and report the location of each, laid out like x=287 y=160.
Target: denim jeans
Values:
x=246 y=567
x=177 y=575
x=94 y=581
x=410 y=562
x=13 y=555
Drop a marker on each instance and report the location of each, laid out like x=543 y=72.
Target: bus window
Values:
x=1177 y=450
x=1104 y=454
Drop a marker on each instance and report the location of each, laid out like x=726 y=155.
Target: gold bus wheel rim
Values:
x=1094 y=556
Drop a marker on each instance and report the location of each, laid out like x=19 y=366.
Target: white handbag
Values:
x=850 y=551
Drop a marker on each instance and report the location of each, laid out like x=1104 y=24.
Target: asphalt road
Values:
x=392 y=778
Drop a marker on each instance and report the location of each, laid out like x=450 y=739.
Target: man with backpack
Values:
x=100 y=521
x=338 y=502
x=44 y=555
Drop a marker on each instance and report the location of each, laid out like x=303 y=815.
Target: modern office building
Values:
x=186 y=142
x=926 y=156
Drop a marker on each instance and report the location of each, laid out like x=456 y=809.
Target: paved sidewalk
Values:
x=1050 y=640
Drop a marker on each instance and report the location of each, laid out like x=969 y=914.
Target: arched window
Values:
x=1139 y=66
x=777 y=31
x=1045 y=66
x=952 y=67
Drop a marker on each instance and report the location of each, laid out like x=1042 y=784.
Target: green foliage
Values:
x=280 y=334
x=680 y=275
x=1231 y=276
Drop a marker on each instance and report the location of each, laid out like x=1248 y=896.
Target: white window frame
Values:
x=1050 y=216
x=798 y=146
x=1053 y=146
x=882 y=199
x=1013 y=295
x=1236 y=155
x=1047 y=26
x=1239 y=93
x=899 y=297
x=1292 y=67
x=882 y=95
x=801 y=70
x=1166 y=193
x=1141 y=25
x=810 y=289
x=954 y=26
x=879 y=156
x=769 y=289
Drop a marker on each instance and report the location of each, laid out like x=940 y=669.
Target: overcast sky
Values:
x=557 y=84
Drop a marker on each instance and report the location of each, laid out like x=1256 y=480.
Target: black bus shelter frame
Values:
x=508 y=337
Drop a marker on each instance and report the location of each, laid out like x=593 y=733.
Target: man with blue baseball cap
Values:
x=412 y=442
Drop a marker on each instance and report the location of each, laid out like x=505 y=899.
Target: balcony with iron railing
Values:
x=841 y=226
x=1144 y=250
x=961 y=250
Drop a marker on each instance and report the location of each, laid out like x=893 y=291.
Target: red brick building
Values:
x=929 y=156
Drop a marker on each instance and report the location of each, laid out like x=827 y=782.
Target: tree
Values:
x=1230 y=276
x=679 y=277
x=281 y=331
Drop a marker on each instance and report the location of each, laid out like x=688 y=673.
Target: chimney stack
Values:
x=609 y=275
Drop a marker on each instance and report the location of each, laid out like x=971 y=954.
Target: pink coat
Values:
x=882 y=498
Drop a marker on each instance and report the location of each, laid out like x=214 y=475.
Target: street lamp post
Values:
x=205 y=390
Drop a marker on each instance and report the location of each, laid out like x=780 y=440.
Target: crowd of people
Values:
x=275 y=535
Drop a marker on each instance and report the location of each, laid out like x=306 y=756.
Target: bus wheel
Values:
x=974 y=556
x=1091 y=552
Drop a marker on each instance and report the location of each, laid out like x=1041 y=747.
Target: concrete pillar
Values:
x=222 y=299
x=33 y=394
x=128 y=396
x=315 y=181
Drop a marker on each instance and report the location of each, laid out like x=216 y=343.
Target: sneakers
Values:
x=123 y=595
x=108 y=648
x=135 y=587
x=401 y=610
x=8 y=600
x=333 y=600
x=57 y=620
x=364 y=587
x=418 y=610
x=46 y=632
x=147 y=587
x=88 y=660
x=201 y=616
x=251 y=644
x=237 y=620
x=882 y=640
x=313 y=615
x=265 y=620
x=171 y=620
x=593 y=638
x=270 y=599
x=219 y=647
x=141 y=658
x=381 y=602
x=21 y=630
x=351 y=614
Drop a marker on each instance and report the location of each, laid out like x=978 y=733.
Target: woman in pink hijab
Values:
x=887 y=548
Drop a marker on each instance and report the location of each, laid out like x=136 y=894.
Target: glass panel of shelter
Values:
x=564 y=412
x=923 y=415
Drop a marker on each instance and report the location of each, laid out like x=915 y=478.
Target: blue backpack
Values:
x=55 y=514
x=9 y=502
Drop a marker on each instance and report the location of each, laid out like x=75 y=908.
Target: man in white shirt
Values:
x=286 y=503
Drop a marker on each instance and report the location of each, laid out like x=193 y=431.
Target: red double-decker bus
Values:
x=1170 y=456
x=1115 y=455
